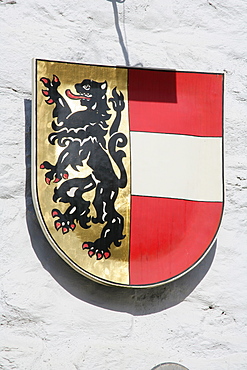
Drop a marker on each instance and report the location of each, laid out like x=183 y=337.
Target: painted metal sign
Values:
x=127 y=168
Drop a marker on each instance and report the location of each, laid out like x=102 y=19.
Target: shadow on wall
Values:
x=134 y=301
x=119 y=32
x=120 y=36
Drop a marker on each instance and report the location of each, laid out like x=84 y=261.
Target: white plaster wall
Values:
x=53 y=318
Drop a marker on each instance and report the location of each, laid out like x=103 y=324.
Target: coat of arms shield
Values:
x=127 y=169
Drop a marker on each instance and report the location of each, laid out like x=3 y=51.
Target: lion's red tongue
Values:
x=73 y=96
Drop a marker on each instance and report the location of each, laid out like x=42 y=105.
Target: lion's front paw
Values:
x=96 y=249
x=53 y=173
x=51 y=93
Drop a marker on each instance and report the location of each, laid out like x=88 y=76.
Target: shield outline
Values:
x=34 y=169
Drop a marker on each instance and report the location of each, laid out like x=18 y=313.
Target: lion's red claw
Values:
x=45 y=92
x=91 y=253
x=55 y=78
x=57 y=225
x=65 y=230
x=44 y=80
x=107 y=255
x=99 y=255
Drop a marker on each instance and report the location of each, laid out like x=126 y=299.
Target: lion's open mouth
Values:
x=83 y=96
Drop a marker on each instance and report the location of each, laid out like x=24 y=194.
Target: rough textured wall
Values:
x=53 y=318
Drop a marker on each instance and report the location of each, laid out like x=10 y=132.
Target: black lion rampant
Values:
x=82 y=135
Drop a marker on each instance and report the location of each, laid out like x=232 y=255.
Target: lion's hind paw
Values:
x=93 y=250
x=62 y=222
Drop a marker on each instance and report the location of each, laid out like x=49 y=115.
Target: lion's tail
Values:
x=119 y=140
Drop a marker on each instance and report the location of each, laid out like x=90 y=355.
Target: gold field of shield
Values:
x=69 y=246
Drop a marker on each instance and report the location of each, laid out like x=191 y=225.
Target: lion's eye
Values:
x=86 y=87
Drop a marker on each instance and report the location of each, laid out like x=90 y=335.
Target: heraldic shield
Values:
x=127 y=168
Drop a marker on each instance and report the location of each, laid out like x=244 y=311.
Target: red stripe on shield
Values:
x=175 y=102
x=168 y=236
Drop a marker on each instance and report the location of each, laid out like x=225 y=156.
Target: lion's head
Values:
x=92 y=95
